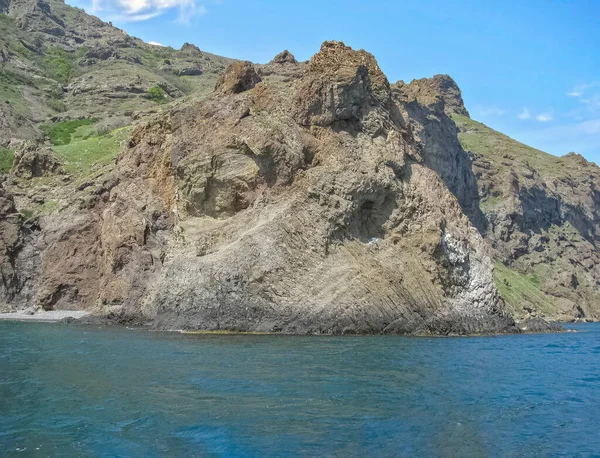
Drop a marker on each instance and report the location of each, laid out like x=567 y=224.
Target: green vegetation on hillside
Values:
x=60 y=64
x=80 y=156
x=61 y=133
x=6 y=159
x=518 y=289
x=46 y=208
x=501 y=150
x=156 y=94
x=10 y=93
x=12 y=38
x=154 y=56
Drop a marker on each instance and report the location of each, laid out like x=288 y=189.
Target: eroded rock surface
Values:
x=306 y=197
x=300 y=207
x=34 y=160
x=537 y=212
x=239 y=77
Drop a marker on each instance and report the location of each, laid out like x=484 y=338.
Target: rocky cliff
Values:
x=298 y=197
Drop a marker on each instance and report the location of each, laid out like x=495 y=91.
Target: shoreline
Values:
x=49 y=316
x=83 y=317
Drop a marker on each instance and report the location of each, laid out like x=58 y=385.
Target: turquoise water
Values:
x=86 y=391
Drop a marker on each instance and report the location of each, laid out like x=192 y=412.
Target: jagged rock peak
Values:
x=284 y=57
x=238 y=77
x=189 y=49
x=577 y=158
x=335 y=57
x=341 y=85
x=440 y=91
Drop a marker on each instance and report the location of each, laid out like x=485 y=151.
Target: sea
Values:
x=94 y=391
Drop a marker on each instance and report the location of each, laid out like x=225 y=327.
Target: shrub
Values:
x=6 y=159
x=61 y=132
x=60 y=64
x=57 y=105
x=157 y=94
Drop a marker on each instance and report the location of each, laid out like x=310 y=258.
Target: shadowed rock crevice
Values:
x=426 y=104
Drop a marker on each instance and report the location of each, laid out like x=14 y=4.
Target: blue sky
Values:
x=530 y=69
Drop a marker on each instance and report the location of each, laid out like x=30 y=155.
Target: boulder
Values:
x=284 y=57
x=238 y=77
x=33 y=160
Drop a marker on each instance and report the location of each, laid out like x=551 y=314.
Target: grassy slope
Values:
x=85 y=153
x=6 y=160
x=500 y=149
x=518 y=289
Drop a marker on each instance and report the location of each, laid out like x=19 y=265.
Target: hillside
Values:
x=542 y=216
x=59 y=63
x=180 y=189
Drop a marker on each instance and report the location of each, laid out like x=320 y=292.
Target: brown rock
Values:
x=284 y=57
x=32 y=160
x=239 y=77
x=341 y=85
x=440 y=92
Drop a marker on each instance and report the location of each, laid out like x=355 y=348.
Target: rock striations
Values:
x=296 y=197
x=302 y=207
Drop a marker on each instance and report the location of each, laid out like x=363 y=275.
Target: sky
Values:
x=530 y=68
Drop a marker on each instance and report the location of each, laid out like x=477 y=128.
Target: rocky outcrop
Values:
x=284 y=57
x=342 y=87
x=440 y=93
x=283 y=67
x=190 y=50
x=298 y=197
x=239 y=77
x=33 y=160
x=297 y=207
x=10 y=243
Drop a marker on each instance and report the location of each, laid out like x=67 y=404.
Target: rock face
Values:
x=32 y=160
x=542 y=215
x=297 y=197
x=10 y=243
x=427 y=105
x=298 y=207
x=239 y=77
x=537 y=212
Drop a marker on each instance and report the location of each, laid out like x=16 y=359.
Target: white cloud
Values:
x=588 y=94
x=591 y=127
x=541 y=117
x=581 y=89
x=544 y=117
x=525 y=114
x=155 y=43
x=490 y=111
x=593 y=101
x=143 y=10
